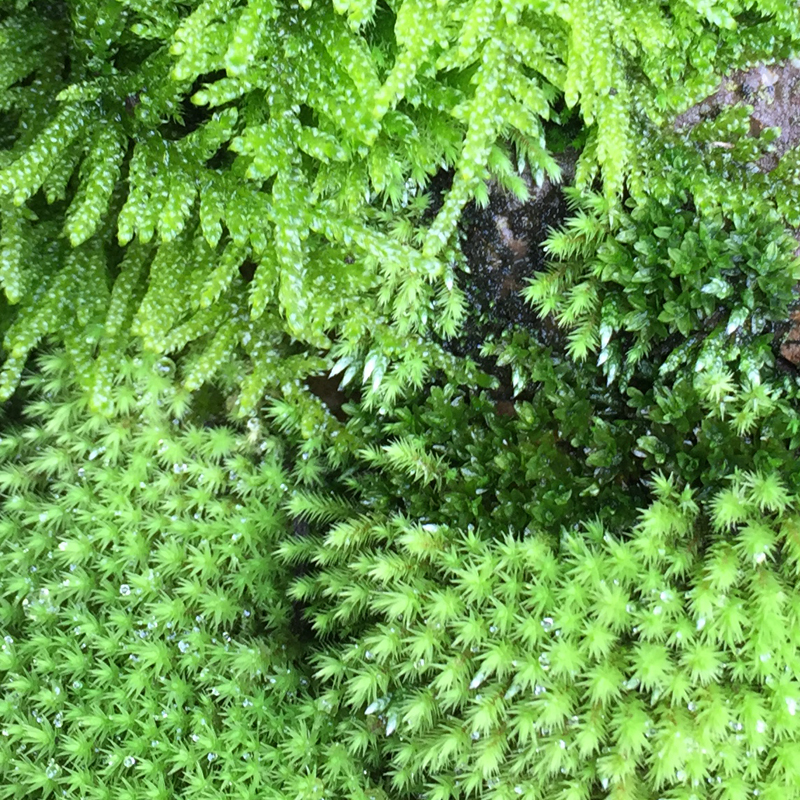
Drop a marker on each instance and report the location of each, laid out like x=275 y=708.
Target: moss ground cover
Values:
x=291 y=508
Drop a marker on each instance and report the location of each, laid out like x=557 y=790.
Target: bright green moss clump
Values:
x=493 y=613
x=235 y=173
x=635 y=663
x=512 y=626
x=150 y=647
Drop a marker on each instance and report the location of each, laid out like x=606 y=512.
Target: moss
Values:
x=292 y=505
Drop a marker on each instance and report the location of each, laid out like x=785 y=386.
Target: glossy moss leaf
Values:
x=24 y=176
x=13 y=246
x=248 y=35
x=99 y=173
x=320 y=145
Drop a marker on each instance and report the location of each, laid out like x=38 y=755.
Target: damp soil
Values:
x=502 y=244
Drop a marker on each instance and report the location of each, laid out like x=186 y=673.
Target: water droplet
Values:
x=378 y=705
x=477 y=681
x=125 y=590
x=129 y=761
x=547 y=623
x=544 y=661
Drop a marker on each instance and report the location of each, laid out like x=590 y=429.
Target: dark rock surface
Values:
x=502 y=244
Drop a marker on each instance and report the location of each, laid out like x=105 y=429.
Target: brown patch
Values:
x=327 y=389
x=774 y=93
x=505 y=408
x=517 y=246
x=790 y=347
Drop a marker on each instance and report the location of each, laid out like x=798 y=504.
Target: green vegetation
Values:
x=236 y=176
x=548 y=567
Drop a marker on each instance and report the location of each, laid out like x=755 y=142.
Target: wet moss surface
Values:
x=773 y=93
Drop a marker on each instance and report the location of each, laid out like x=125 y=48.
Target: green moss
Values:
x=150 y=646
x=218 y=584
x=511 y=624
x=247 y=152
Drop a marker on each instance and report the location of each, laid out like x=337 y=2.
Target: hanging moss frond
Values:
x=100 y=173
x=289 y=131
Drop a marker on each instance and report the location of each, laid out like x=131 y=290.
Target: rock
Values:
x=772 y=90
x=502 y=244
x=790 y=346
